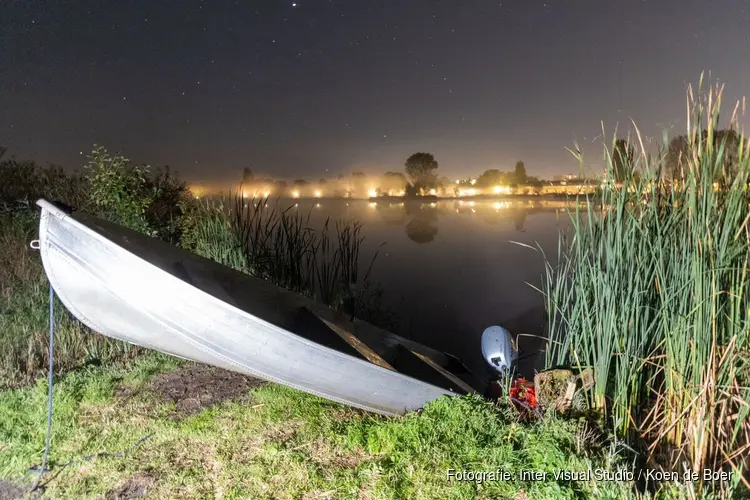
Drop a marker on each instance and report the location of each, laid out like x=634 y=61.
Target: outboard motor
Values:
x=498 y=349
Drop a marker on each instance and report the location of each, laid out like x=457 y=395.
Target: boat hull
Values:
x=137 y=289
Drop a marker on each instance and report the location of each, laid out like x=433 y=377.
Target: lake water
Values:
x=451 y=268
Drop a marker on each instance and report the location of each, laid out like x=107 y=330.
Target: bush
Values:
x=119 y=190
x=111 y=188
x=24 y=182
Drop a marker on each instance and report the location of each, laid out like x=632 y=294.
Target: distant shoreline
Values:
x=479 y=197
x=434 y=199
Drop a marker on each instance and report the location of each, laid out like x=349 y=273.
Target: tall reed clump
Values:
x=206 y=229
x=281 y=246
x=651 y=289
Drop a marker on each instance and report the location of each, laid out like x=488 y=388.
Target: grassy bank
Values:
x=221 y=435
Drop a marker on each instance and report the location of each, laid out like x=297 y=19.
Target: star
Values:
x=294 y=5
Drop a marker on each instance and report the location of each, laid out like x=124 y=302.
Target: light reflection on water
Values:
x=451 y=268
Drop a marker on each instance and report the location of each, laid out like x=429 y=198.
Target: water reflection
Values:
x=421 y=220
x=422 y=224
x=451 y=268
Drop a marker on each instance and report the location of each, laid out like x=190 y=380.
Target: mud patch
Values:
x=10 y=491
x=194 y=386
x=135 y=487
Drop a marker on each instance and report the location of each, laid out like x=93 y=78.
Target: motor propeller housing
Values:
x=498 y=349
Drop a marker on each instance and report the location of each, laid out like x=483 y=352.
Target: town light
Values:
x=318 y=194
x=433 y=191
x=295 y=194
x=472 y=192
x=372 y=193
x=498 y=189
x=473 y=181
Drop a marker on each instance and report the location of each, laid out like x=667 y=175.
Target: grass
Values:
x=652 y=292
x=24 y=313
x=281 y=443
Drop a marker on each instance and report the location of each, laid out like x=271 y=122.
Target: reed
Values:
x=280 y=246
x=651 y=289
x=207 y=231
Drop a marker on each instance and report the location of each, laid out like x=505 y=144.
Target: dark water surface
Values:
x=450 y=269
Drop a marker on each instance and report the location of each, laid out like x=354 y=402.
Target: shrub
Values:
x=23 y=182
x=119 y=190
x=168 y=197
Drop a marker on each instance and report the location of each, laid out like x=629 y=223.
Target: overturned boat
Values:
x=134 y=288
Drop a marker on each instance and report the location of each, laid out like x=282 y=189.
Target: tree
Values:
x=395 y=175
x=421 y=167
x=622 y=159
x=676 y=156
x=520 y=172
x=533 y=181
x=730 y=141
x=247 y=176
x=358 y=184
x=679 y=150
x=492 y=177
x=394 y=181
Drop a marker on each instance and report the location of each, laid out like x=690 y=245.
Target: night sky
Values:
x=319 y=87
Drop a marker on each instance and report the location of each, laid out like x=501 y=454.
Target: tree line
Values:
x=677 y=157
x=420 y=176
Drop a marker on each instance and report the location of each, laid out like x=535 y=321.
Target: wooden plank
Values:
x=413 y=365
x=460 y=383
x=308 y=325
x=357 y=344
